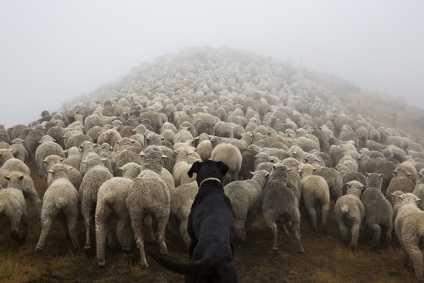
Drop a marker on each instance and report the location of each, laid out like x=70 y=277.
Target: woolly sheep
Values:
x=315 y=191
x=149 y=195
x=378 y=210
x=18 y=150
x=409 y=228
x=183 y=160
x=182 y=198
x=13 y=207
x=47 y=147
x=333 y=179
x=349 y=212
x=111 y=200
x=94 y=177
x=419 y=189
x=279 y=203
x=24 y=183
x=230 y=155
x=60 y=196
x=245 y=197
x=14 y=164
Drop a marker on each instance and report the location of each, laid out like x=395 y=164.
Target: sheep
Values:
x=5 y=154
x=230 y=155
x=349 y=212
x=18 y=150
x=419 y=189
x=399 y=184
x=60 y=197
x=111 y=200
x=204 y=149
x=94 y=177
x=409 y=228
x=279 y=203
x=24 y=183
x=315 y=192
x=245 y=197
x=183 y=160
x=14 y=164
x=353 y=176
x=182 y=198
x=149 y=195
x=333 y=179
x=378 y=210
x=47 y=147
x=73 y=157
x=13 y=207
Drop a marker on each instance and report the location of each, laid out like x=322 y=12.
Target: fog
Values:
x=53 y=51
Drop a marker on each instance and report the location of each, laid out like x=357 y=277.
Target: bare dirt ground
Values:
x=326 y=259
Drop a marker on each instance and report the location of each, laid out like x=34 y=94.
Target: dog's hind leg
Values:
x=227 y=273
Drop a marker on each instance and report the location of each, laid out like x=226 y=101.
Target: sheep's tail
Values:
x=60 y=202
x=344 y=209
x=191 y=267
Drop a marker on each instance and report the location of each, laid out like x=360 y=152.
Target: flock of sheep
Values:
x=125 y=150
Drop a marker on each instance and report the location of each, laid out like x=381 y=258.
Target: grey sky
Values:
x=53 y=51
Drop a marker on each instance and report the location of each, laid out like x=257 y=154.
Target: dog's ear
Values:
x=194 y=169
x=223 y=167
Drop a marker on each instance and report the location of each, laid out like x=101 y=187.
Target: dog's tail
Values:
x=192 y=267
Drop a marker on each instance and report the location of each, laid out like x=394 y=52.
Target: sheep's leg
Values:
x=85 y=211
x=355 y=236
x=344 y=230
x=376 y=235
x=110 y=241
x=184 y=233
x=285 y=229
x=14 y=228
x=137 y=218
x=275 y=233
x=313 y=215
x=123 y=234
x=72 y=229
x=24 y=224
x=239 y=224
x=148 y=222
x=46 y=222
x=161 y=226
x=324 y=215
x=388 y=237
x=100 y=242
x=416 y=257
x=296 y=229
x=100 y=218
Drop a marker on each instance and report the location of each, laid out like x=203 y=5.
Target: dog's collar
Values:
x=209 y=179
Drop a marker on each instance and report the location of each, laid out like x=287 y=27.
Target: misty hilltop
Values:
x=206 y=75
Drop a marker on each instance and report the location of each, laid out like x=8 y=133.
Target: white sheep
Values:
x=111 y=200
x=149 y=195
x=280 y=204
x=60 y=197
x=245 y=197
x=94 y=177
x=315 y=191
x=13 y=207
x=230 y=155
x=409 y=228
x=182 y=198
x=349 y=212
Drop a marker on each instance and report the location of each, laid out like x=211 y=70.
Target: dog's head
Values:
x=208 y=169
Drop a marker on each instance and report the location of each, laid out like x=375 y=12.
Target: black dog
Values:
x=211 y=229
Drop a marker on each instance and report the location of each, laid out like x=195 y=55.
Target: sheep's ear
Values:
x=7 y=178
x=417 y=200
x=84 y=161
x=420 y=174
x=121 y=168
x=51 y=171
x=142 y=153
x=381 y=175
x=266 y=174
x=164 y=156
x=194 y=168
x=289 y=170
x=362 y=187
x=409 y=174
x=348 y=185
x=45 y=161
x=368 y=174
x=252 y=173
